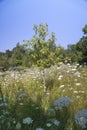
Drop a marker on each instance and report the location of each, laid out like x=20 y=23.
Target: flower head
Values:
x=56 y=122
x=48 y=124
x=81 y=118
x=62 y=102
x=39 y=129
x=3 y=104
x=23 y=95
x=27 y=120
x=18 y=126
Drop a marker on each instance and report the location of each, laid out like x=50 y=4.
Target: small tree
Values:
x=41 y=48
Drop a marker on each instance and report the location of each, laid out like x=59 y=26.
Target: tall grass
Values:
x=23 y=105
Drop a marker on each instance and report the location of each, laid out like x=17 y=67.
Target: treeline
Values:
x=42 y=51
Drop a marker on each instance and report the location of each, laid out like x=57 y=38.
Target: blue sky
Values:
x=64 y=17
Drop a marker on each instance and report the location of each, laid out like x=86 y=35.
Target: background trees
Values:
x=79 y=50
x=17 y=55
x=42 y=51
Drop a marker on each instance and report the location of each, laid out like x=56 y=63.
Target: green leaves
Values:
x=85 y=29
x=42 y=47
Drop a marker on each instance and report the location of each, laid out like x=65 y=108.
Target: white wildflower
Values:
x=39 y=129
x=14 y=121
x=61 y=86
x=21 y=104
x=81 y=91
x=69 y=64
x=77 y=74
x=81 y=118
x=77 y=64
x=37 y=108
x=5 y=112
x=60 y=77
x=62 y=102
x=67 y=71
x=47 y=94
x=77 y=96
x=18 y=126
x=70 y=88
x=48 y=124
x=63 y=90
x=78 y=84
x=27 y=120
x=23 y=95
x=3 y=104
x=75 y=92
x=73 y=69
x=33 y=105
x=56 y=122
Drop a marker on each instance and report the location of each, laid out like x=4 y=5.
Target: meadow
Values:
x=52 y=99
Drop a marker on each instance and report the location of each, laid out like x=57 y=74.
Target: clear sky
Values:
x=64 y=17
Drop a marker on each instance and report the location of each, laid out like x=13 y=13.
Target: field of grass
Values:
x=53 y=100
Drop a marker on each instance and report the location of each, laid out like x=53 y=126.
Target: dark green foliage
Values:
x=78 y=52
x=17 y=55
x=81 y=47
x=85 y=29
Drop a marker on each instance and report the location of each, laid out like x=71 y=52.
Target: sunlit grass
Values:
x=25 y=106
